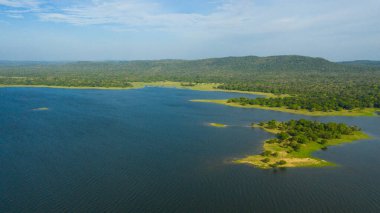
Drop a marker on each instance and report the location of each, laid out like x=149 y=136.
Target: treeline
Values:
x=294 y=133
x=314 y=102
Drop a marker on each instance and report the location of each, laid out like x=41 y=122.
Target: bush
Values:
x=266 y=153
x=323 y=142
x=274 y=165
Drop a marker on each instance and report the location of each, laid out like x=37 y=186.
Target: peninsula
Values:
x=296 y=140
x=341 y=112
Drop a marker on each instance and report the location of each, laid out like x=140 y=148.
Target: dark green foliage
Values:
x=317 y=101
x=189 y=84
x=266 y=153
x=274 y=165
x=275 y=154
x=272 y=124
x=265 y=160
x=295 y=133
x=282 y=135
x=323 y=142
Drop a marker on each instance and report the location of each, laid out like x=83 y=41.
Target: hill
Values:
x=362 y=63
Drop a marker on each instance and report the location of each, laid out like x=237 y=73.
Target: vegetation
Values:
x=354 y=112
x=313 y=84
x=311 y=104
x=217 y=125
x=41 y=109
x=296 y=140
x=362 y=63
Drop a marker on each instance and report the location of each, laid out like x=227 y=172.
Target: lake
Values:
x=151 y=150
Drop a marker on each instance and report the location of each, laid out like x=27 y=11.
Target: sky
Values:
x=59 y=30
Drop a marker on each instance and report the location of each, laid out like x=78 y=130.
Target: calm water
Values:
x=149 y=150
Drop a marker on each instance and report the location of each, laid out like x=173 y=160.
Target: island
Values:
x=296 y=140
x=41 y=109
x=217 y=125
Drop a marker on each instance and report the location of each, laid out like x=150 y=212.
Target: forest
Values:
x=312 y=83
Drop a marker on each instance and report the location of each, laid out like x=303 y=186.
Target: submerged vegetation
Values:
x=296 y=140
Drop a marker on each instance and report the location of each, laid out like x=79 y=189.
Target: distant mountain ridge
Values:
x=362 y=63
x=241 y=63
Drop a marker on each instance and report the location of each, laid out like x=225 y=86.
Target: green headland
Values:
x=296 y=140
x=353 y=112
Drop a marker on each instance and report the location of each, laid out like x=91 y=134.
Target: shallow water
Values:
x=150 y=150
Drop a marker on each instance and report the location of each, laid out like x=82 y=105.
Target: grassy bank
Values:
x=354 y=112
x=277 y=155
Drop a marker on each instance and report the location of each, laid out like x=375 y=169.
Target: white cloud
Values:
x=232 y=27
x=20 y=7
x=21 y=3
x=233 y=17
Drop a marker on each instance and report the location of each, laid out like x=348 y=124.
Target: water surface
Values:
x=150 y=150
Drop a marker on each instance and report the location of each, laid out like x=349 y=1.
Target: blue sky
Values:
x=157 y=29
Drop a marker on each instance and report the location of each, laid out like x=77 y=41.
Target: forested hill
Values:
x=362 y=63
x=230 y=64
x=236 y=69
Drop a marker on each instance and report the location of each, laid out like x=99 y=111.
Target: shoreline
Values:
x=212 y=88
x=303 y=158
x=356 y=112
x=138 y=85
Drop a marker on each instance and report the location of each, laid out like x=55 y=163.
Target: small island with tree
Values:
x=217 y=125
x=296 y=140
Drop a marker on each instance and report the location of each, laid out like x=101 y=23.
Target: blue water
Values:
x=150 y=150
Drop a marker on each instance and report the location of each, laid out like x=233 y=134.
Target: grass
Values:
x=200 y=87
x=301 y=158
x=217 y=125
x=354 y=112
